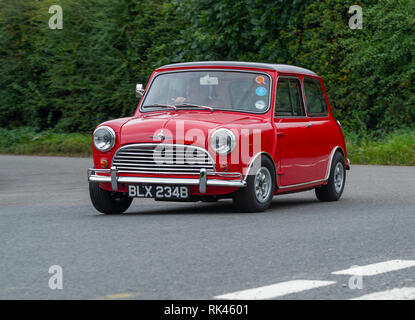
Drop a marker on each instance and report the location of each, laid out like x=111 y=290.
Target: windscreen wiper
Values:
x=160 y=106
x=191 y=105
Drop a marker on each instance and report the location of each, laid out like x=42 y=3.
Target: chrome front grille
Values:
x=163 y=158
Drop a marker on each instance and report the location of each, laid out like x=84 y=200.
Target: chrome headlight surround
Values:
x=104 y=138
x=223 y=141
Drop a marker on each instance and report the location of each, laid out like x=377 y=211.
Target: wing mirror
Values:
x=139 y=90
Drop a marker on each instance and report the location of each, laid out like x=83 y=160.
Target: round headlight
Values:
x=223 y=141
x=104 y=138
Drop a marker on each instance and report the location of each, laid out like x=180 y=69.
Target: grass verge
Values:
x=25 y=141
x=394 y=149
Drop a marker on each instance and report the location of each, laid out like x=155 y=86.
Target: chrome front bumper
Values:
x=203 y=181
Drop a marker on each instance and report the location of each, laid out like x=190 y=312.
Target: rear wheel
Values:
x=333 y=190
x=258 y=193
x=108 y=202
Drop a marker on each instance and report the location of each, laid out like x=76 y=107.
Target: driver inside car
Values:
x=195 y=94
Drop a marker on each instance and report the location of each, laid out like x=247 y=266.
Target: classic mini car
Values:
x=205 y=131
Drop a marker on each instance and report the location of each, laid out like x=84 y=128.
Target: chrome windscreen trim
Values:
x=219 y=69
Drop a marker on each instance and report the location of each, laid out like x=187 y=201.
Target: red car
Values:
x=205 y=131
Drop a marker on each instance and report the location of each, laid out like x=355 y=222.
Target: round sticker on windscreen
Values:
x=261 y=91
x=260 y=80
x=260 y=105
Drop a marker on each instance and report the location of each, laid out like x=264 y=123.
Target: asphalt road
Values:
x=167 y=250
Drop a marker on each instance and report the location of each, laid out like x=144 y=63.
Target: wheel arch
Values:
x=333 y=152
x=258 y=156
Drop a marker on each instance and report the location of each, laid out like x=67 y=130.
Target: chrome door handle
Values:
x=309 y=125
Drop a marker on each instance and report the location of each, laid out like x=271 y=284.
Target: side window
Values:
x=289 y=102
x=314 y=97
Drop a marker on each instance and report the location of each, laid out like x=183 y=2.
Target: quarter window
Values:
x=289 y=101
x=314 y=96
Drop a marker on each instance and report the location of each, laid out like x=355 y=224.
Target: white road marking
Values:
x=275 y=290
x=394 y=294
x=377 y=268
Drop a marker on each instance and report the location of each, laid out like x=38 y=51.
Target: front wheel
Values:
x=333 y=190
x=258 y=193
x=108 y=202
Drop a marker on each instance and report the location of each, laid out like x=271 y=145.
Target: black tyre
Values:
x=108 y=202
x=333 y=190
x=258 y=193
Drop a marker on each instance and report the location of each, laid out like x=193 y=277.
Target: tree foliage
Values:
x=72 y=79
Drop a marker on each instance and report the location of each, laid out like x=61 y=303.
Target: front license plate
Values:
x=158 y=192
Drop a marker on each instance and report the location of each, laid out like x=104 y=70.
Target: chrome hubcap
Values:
x=263 y=183
x=338 y=177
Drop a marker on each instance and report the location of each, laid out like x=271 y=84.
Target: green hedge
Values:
x=72 y=79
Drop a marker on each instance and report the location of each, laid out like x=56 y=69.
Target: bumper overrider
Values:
x=114 y=176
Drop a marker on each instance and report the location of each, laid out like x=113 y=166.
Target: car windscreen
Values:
x=224 y=90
